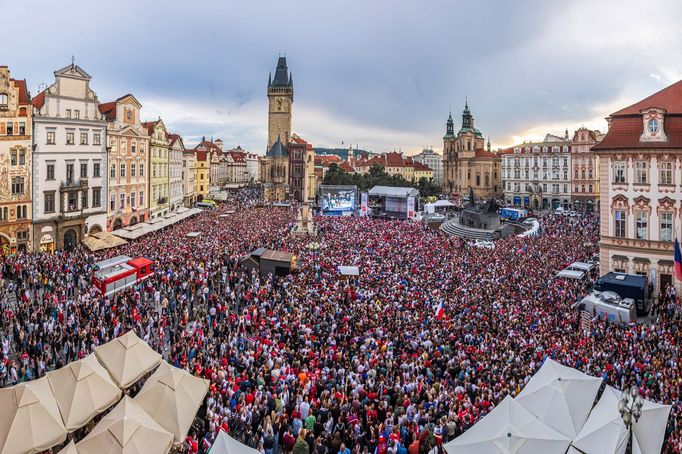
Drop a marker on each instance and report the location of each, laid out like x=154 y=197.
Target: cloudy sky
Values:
x=382 y=74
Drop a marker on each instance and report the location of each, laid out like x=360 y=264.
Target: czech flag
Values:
x=440 y=311
x=678 y=261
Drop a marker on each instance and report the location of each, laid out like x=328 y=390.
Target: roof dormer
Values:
x=653 y=122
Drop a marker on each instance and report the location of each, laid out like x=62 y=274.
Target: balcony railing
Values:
x=162 y=200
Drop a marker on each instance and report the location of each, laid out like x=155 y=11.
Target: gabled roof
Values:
x=38 y=101
x=108 y=109
x=277 y=149
x=347 y=167
x=128 y=95
x=481 y=153
x=173 y=138
x=669 y=99
x=150 y=125
x=418 y=166
x=327 y=159
x=23 y=92
x=73 y=71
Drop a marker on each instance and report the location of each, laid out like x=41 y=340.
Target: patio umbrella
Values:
x=172 y=397
x=224 y=444
x=69 y=449
x=29 y=418
x=649 y=431
x=560 y=396
x=604 y=430
x=127 y=358
x=509 y=429
x=126 y=429
x=82 y=389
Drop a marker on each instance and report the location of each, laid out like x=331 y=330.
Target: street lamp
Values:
x=630 y=409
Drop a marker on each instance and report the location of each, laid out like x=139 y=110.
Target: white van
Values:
x=559 y=210
x=610 y=307
x=580 y=266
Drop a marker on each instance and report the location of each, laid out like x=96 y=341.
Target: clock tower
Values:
x=280 y=97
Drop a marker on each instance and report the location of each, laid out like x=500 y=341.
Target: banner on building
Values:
x=363 y=204
x=410 y=207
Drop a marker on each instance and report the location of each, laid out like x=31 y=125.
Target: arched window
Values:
x=478 y=179
x=3 y=100
x=469 y=145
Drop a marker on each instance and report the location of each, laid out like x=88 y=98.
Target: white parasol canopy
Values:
x=83 y=389
x=560 y=396
x=126 y=429
x=172 y=397
x=69 y=449
x=604 y=430
x=224 y=444
x=649 y=431
x=509 y=429
x=29 y=418
x=127 y=358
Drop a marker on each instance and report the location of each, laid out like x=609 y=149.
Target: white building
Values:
x=69 y=162
x=537 y=175
x=176 y=149
x=251 y=166
x=432 y=160
x=189 y=163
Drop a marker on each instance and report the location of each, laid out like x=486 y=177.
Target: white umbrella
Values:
x=224 y=444
x=69 y=449
x=560 y=396
x=172 y=397
x=29 y=418
x=509 y=429
x=83 y=389
x=604 y=431
x=127 y=358
x=649 y=431
x=126 y=429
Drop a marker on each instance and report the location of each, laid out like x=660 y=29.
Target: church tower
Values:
x=280 y=97
x=449 y=155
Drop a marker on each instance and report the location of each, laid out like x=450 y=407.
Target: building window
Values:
x=590 y=187
x=69 y=173
x=84 y=169
x=13 y=158
x=50 y=138
x=17 y=185
x=49 y=202
x=122 y=198
x=76 y=114
x=84 y=199
x=3 y=101
x=96 y=197
x=95 y=170
x=141 y=169
x=112 y=202
x=619 y=172
x=21 y=212
x=22 y=128
x=22 y=157
x=641 y=225
x=84 y=138
x=123 y=169
x=132 y=199
x=666 y=173
x=619 y=226
x=69 y=138
x=97 y=139
x=68 y=113
x=133 y=148
x=50 y=172
x=641 y=172
x=132 y=169
x=141 y=198
x=582 y=188
x=666 y=227
x=112 y=172
x=72 y=201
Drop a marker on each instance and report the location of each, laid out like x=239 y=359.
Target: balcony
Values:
x=73 y=184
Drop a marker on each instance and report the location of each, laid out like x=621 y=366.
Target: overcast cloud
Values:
x=381 y=74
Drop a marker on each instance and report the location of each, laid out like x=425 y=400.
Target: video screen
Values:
x=337 y=200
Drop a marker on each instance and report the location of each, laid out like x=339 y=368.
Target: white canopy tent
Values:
x=604 y=431
x=509 y=429
x=224 y=444
x=127 y=358
x=560 y=397
x=649 y=431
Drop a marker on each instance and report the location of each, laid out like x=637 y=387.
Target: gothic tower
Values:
x=280 y=96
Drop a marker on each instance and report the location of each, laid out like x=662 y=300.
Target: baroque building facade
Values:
x=585 y=181
x=158 y=166
x=128 y=154
x=15 y=164
x=640 y=161
x=189 y=162
x=468 y=165
x=176 y=149
x=69 y=162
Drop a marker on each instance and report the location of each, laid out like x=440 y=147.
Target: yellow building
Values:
x=204 y=152
x=158 y=166
x=15 y=164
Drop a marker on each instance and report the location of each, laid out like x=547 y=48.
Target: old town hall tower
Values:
x=280 y=97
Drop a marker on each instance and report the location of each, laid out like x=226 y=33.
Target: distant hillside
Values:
x=342 y=152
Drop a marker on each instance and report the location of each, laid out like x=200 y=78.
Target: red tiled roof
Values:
x=481 y=153
x=670 y=99
x=325 y=160
x=23 y=92
x=39 y=100
x=108 y=109
x=625 y=132
x=393 y=159
x=347 y=167
x=418 y=166
x=237 y=156
x=150 y=126
x=172 y=138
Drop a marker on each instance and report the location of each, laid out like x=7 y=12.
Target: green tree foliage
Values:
x=377 y=176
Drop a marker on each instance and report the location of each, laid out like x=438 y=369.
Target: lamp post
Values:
x=630 y=409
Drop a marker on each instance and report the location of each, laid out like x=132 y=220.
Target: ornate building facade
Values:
x=468 y=166
x=176 y=148
x=585 y=171
x=189 y=163
x=69 y=162
x=433 y=161
x=128 y=154
x=640 y=161
x=15 y=164
x=158 y=166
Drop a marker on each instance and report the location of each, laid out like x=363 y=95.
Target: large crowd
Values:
x=314 y=362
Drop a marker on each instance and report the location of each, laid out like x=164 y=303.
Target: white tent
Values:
x=443 y=203
x=224 y=444
x=509 y=429
x=127 y=358
x=604 y=431
x=69 y=449
x=560 y=396
x=649 y=431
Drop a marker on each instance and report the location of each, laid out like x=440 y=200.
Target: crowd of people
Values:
x=313 y=362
